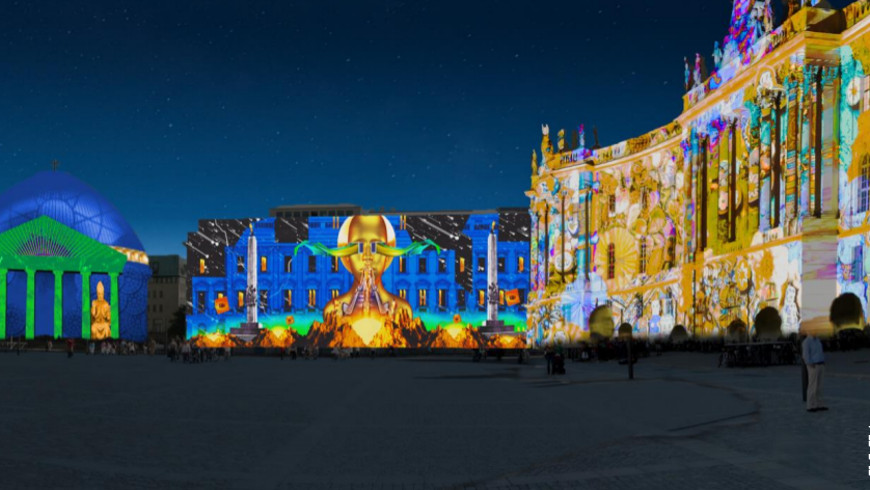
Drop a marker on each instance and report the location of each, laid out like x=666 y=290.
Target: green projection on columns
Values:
x=115 y=300
x=58 y=304
x=31 y=293
x=43 y=244
x=3 y=303
x=86 y=304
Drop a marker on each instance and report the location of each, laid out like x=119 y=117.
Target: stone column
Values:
x=115 y=330
x=31 y=293
x=3 y=303
x=58 y=304
x=86 y=303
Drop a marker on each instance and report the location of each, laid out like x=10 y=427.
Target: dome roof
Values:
x=69 y=201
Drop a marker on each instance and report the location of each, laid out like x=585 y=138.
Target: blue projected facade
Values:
x=437 y=284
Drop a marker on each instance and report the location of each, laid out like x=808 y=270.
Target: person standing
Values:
x=548 y=355
x=814 y=358
x=70 y=347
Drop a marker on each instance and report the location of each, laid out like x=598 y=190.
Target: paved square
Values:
x=437 y=422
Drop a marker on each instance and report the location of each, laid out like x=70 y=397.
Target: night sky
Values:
x=177 y=111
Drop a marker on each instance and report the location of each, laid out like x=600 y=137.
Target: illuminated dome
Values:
x=67 y=200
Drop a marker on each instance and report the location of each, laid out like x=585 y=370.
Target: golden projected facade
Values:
x=756 y=195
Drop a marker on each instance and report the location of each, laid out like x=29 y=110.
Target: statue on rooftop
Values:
x=717 y=55
x=534 y=163
x=687 y=73
x=768 y=17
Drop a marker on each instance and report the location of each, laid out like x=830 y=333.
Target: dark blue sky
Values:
x=184 y=110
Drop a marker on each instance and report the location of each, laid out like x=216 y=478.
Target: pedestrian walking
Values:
x=814 y=359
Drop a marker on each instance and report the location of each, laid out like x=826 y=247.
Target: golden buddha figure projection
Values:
x=366 y=247
x=367 y=297
x=101 y=315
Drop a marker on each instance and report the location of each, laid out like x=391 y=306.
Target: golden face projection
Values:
x=367 y=305
x=101 y=315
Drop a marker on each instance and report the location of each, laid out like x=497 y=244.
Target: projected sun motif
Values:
x=625 y=256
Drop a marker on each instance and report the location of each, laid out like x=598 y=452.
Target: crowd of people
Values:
x=187 y=352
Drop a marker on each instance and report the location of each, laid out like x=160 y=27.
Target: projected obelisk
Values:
x=251 y=327
x=252 y=301
x=492 y=325
x=492 y=276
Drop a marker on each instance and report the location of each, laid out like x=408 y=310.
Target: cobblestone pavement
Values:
x=440 y=422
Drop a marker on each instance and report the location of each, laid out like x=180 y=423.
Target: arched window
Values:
x=611 y=261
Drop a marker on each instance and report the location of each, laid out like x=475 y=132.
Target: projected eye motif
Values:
x=373 y=247
x=359 y=248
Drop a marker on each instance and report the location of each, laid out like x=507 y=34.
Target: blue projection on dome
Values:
x=69 y=201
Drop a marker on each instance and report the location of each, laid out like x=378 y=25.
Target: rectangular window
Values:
x=288 y=263
x=421 y=265
x=460 y=299
x=611 y=203
x=333 y=293
x=312 y=263
x=442 y=298
x=403 y=293
x=202 y=266
x=641 y=265
x=264 y=264
x=200 y=301
x=461 y=264
x=240 y=302
x=288 y=300
x=312 y=298
x=403 y=265
x=240 y=264
x=864 y=189
x=501 y=264
x=858 y=263
x=501 y=297
x=442 y=265
x=521 y=264
x=421 y=298
x=481 y=297
x=334 y=264
x=522 y=295
x=481 y=264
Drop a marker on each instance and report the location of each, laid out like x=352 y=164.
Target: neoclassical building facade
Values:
x=756 y=195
